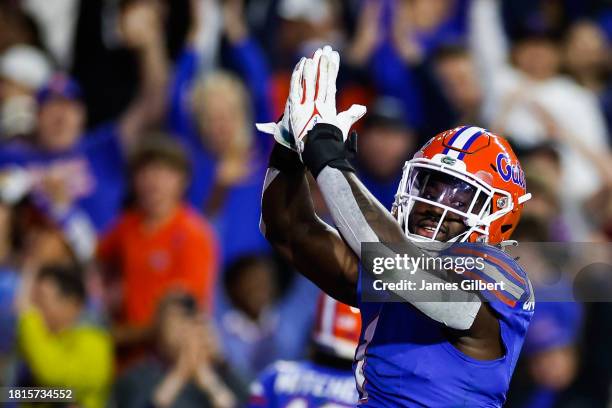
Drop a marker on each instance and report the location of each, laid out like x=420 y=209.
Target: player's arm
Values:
x=360 y=218
x=290 y=224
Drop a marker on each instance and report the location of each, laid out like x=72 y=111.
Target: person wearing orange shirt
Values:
x=159 y=245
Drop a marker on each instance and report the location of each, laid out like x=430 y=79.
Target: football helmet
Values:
x=337 y=327
x=467 y=174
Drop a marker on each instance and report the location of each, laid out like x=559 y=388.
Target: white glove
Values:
x=282 y=129
x=312 y=98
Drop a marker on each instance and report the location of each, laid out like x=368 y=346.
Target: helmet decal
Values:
x=510 y=171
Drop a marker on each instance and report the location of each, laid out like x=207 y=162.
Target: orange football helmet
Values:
x=470 y=172
x=337 y=327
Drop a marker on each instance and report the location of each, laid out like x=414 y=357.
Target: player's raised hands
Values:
x=282 y=129
x=312 y=100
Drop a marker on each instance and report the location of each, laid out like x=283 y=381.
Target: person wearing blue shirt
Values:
x=89 y=164
x=213 y=117
x=257 y=324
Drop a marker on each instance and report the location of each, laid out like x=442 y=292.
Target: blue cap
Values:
x=59 y=86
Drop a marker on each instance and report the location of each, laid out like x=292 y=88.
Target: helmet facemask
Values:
x=432 y=196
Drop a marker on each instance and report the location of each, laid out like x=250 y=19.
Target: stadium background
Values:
x=94 y=92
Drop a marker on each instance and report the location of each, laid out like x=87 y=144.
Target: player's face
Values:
x=447 y=191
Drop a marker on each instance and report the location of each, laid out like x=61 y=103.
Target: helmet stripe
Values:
x=455 y=136
x=465 y=137
x=470 y=142
x=461 y=140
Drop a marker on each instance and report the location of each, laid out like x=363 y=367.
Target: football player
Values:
x=457 y=348
x=327 y=379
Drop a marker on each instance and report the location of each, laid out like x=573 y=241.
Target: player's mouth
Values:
x=427 y=228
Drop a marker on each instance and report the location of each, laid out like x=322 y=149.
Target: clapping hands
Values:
x=312 y=100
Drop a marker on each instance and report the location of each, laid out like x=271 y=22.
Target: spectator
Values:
x=158 y=245
x=432 y=22
x=260 y=326
x=217 y=129
x=384 y=145
x=23 y=70
x=187 y=369
x=306 y=26
x=96 y=52
x=90 y=164
x=33 y=234
x=550 y=352
x=600 y=160
x=542 y=165
x=534 y=78
x=395 y=41
x=600 y=210
x=586 y=60
x=457 y=72
x=585 y=55
x=57 y=348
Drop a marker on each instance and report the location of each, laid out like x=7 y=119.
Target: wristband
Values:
x=325 y=147
x=285 y=160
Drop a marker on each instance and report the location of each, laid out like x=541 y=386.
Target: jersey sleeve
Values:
x=498 y=278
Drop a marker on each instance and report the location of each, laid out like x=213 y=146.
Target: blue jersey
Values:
x=404 y=358
x=236 y=224
x=93 y=169
x=288 y=384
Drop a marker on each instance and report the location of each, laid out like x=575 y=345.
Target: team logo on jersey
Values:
x=529 y=306
x=510 y=171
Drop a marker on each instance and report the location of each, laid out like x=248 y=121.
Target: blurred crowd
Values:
x=132 y=268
